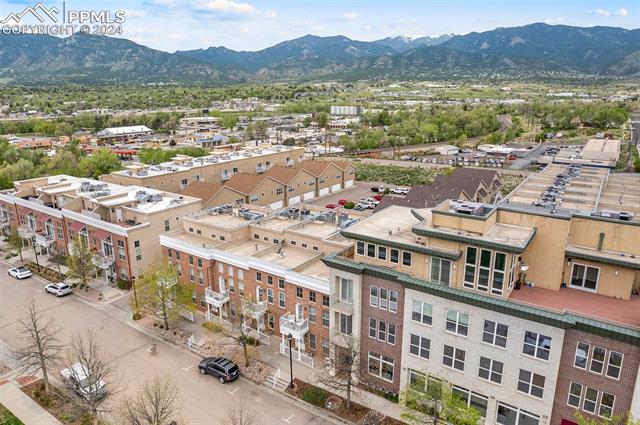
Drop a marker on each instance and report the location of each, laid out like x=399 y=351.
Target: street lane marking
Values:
x=288 y=420
x=234 y=391
x=188 y=368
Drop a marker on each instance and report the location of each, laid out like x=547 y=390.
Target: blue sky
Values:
x=255 y=24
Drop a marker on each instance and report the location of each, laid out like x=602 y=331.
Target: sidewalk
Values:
x=23 y=407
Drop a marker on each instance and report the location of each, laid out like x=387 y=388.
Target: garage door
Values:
x=308 y=195
x=294 y=200
x=335 y=187
x=348 y=183
x=324 y=191
x=276 y=205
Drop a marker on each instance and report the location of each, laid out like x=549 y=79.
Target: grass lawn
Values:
x=396 y=175
x=8 y=418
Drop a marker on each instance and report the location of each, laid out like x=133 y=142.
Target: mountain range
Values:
x=529 y=51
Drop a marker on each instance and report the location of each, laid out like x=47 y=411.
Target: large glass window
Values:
x=509 y=415
x=614 y=364
x=597 y=360
x=495 y=333
x=470 y=267
x=590 y=400
x=472 y=399
x=584 y=277
x=380 y=366
x=606 y=405
x=421 y=312
x=457 y=322
x=419 y=346
x=440 y=270
x=531 y=383
x=575 y=394
x=499 y=268
x=484 y=270
x=490 y=370
x=346 y=289
x=453 y=357
x=536 y=345
x=582 y=353
x=345 y=321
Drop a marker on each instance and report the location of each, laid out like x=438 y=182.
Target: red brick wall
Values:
x=369 y=344
x=622 y=388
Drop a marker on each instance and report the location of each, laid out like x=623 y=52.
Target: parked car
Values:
x=20 y=272
x=360 y=207
x=341 y=202
x=378 y=197
x=58 y=289
x=223 y=369
x=330 y=206
x=79 y=379
x=399 y=190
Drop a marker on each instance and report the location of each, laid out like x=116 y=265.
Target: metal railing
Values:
x=102 y=260
x=44 y=239
x=276 y=377
x=256 y=333
x=297 y=328
x=216 y=299
x=298 y=356
x=26 y=232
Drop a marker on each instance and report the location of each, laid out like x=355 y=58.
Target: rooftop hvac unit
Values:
x=469 y=209
x=143 y=173
x=226 y=157
x=625 y=216
x=156 y=197
x=100 y=193
x=84 y=186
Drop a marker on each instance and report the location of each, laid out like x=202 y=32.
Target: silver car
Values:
x=58 y=289
x=20 y=272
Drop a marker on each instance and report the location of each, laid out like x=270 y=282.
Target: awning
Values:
x=100 y=234
x=76 y=226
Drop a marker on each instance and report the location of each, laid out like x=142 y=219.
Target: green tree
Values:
x=64 y=129
x=430 y=400
x=15 y=242
x=229 y=121
x=101 y=162
x=80 y=262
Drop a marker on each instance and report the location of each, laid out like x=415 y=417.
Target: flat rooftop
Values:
x=234 y=219
x=394 y=223
x=316 y=269
x=246 y=248
x=588 y=304
x=191 y=238
x=288 y=256
x=316 y=229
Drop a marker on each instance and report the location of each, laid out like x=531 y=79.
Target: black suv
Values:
x=223 y=369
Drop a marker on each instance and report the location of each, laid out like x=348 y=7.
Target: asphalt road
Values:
x=204 y=400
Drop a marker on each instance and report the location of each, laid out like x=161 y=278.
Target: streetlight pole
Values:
x=33 y=244
x=290 y=338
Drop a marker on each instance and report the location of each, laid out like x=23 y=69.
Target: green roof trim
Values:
x=607 y=219
x=621 y=261
x=536 y=314
x=449 y=255
x=512 y=249
x=416 y=214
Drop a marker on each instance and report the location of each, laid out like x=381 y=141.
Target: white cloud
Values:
x=350 y=16
x=244 y=30
x=622 y=12
x=600 y=12
x=607 y=13
x=554 y=21
x=229 y=6
x=135 y=13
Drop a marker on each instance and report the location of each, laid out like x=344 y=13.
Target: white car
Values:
x=20 y=272
x=79 y=379
x=400 y=190
x=58 y=289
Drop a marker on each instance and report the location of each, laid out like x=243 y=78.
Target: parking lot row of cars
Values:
x=58 y=289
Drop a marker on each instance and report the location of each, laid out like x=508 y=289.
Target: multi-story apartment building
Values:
x=529 y=308
x=218 y=167
x=119 y=223
x=264 y=264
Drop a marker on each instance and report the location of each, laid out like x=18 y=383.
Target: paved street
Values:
x=205 y=401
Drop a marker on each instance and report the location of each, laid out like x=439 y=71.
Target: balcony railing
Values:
x=296 y=355
x=341 y=305
x=261 y=168
x=290 y=162
x=216 y=299
x=226 y=176
x=254 y=310
x=44 y=240
x=26 y=232
x=101 y=260
x=290 y=326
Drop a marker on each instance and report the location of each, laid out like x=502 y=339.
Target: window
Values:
x=167 y=225
x=200 y=277
x=270 y=295
x=279 y=191
x=575 y=394
x=346 y=289
x=470 y=267
x=582 y=353
x=453 y=357
x=325 y=346
x=391 y=334
x=440 y=270
x=606 y=405
x=281 y=300
x=419 y=346
x=394 y=254
x=490 y=370
x=472 y=399
x=536 y=345
x=345 y=322
x=299 y=292
x=312 y=314
x=509 y=415
x=382 y=331
x=531 y=383
x=312 y=296
x=280 y=283
x=393 y=301
x=271 y=321
x=360 y=248
x=382 y=253
x=373 y=296
x=421 y=312
x=371 y=250
x=325 y=318
x=169 y=253
x=373 y=327
x=121 y=254
x=136 y=244
x=495 y=333
x=312 y=341
x=457 y=322
x=191 y=259
x=484 y=270
x=406 y=258
x=584 y=277
x=614 y=364
x=499 y=268
x=597 y=360
x=220 y=265
x=590 y=400
x=384 y=298
x=199 y=262
x=325 y=300
x=380 y=366
x=259 y=276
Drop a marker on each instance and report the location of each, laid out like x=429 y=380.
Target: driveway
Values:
x=204 y=400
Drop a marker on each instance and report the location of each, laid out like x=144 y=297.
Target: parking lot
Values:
x=361 y=190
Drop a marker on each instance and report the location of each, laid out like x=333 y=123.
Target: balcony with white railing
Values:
x=226 y=176
x=297 y=328
x=290 y=162
x=44 y=239
x=261 y=168
x=254 y=310
x=102 y=260
x=297 y=355
x=26 y=232
x=216 y=299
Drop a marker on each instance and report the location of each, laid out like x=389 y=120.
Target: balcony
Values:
x=216 y=299
x=254 y=310
x=4 y=221
x=290 y=163
x=261 y=168
x=226 y=176
x=44 y=240
x=297 y=355
x=101 y=260
x=342 y=306
x=26 y=232
x=296 y=328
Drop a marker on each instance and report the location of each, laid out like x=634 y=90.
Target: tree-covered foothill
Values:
x=20 y=164
x=154 y=156
x=570 y=115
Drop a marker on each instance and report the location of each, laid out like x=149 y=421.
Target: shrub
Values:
x=136 y=316
x=349 y=205
x=316 y=396
x=123 y=284
x=212 y=326
x=249 y=340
